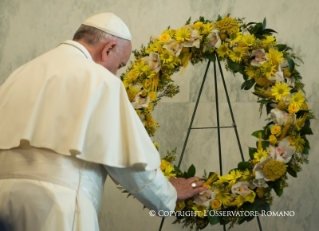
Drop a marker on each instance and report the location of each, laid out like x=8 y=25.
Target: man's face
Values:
x=116 y=60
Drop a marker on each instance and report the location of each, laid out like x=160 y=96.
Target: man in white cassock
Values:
x=65 y=123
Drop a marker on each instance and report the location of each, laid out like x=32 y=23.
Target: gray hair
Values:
x=94 y=37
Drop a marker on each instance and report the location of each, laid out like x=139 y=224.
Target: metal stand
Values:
x=218 y=125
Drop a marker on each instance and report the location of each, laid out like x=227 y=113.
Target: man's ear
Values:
x=109 y=47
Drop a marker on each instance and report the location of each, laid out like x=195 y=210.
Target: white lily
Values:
x=174 y=47
x=213 y=40
x=241 y=188
x=194 y=40
x=283 y=152
x=140 y=101
x=281 y=117
x=204 y=198
x=260 y=57
x=153 y=60
x=259 y=173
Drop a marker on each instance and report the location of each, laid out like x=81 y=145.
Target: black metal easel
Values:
x=218 y=126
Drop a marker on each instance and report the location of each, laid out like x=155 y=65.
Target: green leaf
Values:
x=277 y=188
x=269 y=31
x=248 y=84
x=306 y=131
x=291 y=64
x=306 y=144
x=219 y=18
x=264 y=24
x=191 y=171
x=211 y=56
x=256 y=133
x=261 y=204
x=243 y=165
x=281 y=47
x=251 y=23
x=213 y=220
x=291 y=172
x=234 y=66
x=252 y=151
x=257 y=29
x=305 y=151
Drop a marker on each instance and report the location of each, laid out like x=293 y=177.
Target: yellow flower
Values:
x=235 y=37
x=183 y=34
x=298 y=98
x=210 y=180
x=221 y=179
x=259 y=154
x=216 y=204
x=164 y=38
x=148 y=72
x=227 y=25
x=299 y=144
x=269 y=39
x=287 y=73
x=156 y=145
x=207 y=28
x=224 y=198
x=147 y=83
x=180 y=205
x=274 y=169
x=268 y=69
x=170 y=32
x=281 y=105
x=250 y=197
x=164 y=164
x=280 y=90
x=152 y=95
x=275 y=130
x=272 y=139
x=131 y=93
x=245 y=174
x=240 y=200
x=132 y=75
x=168 y=171
x=138 y=67
x=155 y=47
x=167 y=56
x=233 y=176
x=237 y=54
x=301 y=121
x=275 y=56
x=201 y=210
x=223 y=50
x=251 y=71
x=260 y=192
x=198 y=26
x=293 y=108
x=249 y=39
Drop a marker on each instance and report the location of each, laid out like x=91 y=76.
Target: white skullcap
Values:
x=109 y=23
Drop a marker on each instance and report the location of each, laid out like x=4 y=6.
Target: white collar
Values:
x=79 y=47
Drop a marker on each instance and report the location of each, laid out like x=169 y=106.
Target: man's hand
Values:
x=184 y=188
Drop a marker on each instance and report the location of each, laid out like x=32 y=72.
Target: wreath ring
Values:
x=267 y=67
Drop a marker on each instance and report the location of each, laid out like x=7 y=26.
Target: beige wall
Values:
x=29 y=28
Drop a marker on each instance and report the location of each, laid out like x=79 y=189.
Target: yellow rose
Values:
x=216 y=204
x=293 y=108
x=272 y=139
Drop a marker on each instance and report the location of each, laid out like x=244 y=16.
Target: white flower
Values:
x=260 y=57
x=153 y=60
x=140 y=101
x=213 y=40
x=241 y=188
x=174 y=47
x=204 y=198
x=281 y=117
x=259 y=173
x=283 y=152
x=194 y=40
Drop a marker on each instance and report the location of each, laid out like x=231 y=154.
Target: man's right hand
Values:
x=184 y=187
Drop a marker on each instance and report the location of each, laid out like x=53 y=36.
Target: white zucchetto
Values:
x=109 y=23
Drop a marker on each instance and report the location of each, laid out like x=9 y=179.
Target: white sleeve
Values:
x=151 y=188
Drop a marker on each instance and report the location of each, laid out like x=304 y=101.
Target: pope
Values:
x=65 y=124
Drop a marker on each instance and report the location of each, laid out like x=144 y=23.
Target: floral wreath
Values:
x=266 y=66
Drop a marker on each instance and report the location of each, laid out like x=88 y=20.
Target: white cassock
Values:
x=63 y=120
